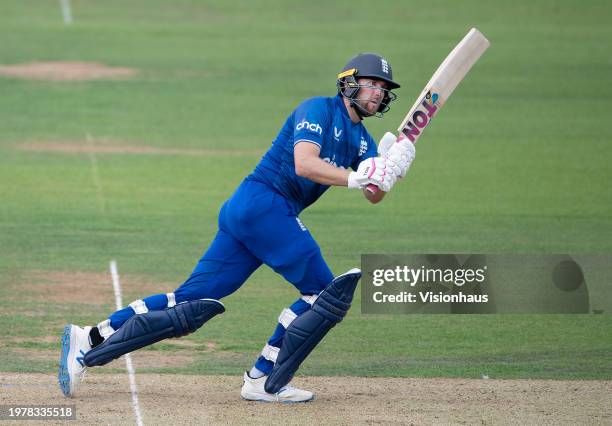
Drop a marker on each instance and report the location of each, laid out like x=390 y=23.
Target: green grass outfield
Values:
x=518 y=162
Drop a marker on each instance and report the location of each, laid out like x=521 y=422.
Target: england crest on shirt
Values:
x=363 y=147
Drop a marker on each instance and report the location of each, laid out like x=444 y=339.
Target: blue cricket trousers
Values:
x=256 y=225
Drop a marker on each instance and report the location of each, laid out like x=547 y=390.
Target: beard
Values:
x=369 y=106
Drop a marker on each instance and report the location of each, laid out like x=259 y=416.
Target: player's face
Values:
x=370 y=96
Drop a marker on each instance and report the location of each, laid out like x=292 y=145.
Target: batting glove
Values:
x=402 y=152
x=378 y=171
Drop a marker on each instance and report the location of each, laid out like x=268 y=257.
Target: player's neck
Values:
x=355 y=118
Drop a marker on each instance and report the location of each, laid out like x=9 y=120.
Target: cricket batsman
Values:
x=259 y=224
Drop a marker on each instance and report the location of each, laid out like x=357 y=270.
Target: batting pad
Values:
x=151 y=327
x=306 y=331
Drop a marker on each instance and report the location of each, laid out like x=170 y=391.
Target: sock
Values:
x=255 y=373
x=94 y=337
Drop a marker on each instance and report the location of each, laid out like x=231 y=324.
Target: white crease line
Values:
x=95 y=175
x=128 y=359
x=66 y=12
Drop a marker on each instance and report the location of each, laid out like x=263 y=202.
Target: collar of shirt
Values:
x=339 y=101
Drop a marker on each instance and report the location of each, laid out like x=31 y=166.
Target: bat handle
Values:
x=372 y=189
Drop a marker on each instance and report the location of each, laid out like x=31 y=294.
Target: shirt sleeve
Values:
x=311 y=120
x=369 y=150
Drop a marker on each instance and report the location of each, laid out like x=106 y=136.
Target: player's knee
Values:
x=308 y=273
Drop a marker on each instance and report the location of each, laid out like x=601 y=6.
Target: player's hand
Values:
x=385 y=143
x=402 y=152
x=378 y=171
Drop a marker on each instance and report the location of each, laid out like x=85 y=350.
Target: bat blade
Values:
x=441 y=85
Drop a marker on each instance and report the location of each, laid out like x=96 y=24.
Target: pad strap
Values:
x=286 y=317
x=270 y=353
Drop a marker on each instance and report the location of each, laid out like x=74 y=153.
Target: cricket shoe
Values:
x=253 y=390
x=75 y=344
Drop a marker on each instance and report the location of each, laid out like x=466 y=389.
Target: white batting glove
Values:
x=378 y=171
x=369 y=171
x=402 y=152
x=385 y=143
x=388 y=180
x=393 y=166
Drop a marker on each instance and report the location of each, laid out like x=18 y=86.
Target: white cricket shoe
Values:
x=75 y=344
x=253 y=390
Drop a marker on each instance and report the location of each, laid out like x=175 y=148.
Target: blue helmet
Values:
x=366 y=65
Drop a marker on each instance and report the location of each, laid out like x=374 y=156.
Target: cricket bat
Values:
x=441 y=85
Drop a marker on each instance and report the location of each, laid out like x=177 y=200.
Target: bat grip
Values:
x=372 y=189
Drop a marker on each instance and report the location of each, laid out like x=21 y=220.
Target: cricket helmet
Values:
x=366 y=65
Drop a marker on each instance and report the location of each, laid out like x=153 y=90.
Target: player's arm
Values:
x=309 y=165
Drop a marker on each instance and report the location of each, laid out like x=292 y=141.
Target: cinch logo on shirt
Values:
x=313 y=127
